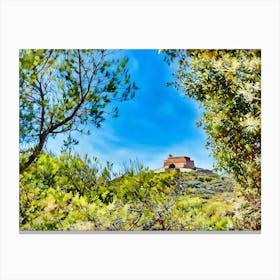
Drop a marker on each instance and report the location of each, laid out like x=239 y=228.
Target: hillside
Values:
x=68 y=194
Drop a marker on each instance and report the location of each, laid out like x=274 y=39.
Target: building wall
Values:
x=190 y=163
x=179 y=162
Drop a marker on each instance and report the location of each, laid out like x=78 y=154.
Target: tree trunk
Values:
x=35 y=154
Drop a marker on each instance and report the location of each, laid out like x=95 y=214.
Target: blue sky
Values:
x=159 y=121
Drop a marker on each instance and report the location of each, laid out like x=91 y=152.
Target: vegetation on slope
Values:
x=72 y=193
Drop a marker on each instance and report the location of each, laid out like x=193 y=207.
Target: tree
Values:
x=62 y=90
x=227 y=83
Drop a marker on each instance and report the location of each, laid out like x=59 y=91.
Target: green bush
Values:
x=73 y=193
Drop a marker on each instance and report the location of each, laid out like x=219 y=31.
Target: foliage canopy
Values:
x=227 y=83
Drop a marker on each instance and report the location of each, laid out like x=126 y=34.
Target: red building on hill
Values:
x=179 y=162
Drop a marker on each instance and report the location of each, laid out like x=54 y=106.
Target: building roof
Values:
x=179 y=157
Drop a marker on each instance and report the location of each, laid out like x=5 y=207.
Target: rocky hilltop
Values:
x=205 y=185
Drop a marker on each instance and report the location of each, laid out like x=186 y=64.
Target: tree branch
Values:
x=42 y=107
